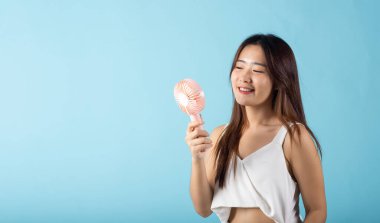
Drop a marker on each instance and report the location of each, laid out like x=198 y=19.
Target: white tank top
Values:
x=262 y=180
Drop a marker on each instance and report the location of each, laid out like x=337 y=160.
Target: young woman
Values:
x=251 y=170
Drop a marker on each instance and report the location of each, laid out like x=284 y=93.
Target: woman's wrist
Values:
x=196 y=160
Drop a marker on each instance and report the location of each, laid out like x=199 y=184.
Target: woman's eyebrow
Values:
x=261 y=64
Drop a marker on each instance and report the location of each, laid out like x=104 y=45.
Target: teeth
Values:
x=245 y=89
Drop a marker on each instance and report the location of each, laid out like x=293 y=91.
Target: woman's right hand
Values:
x=197 y=140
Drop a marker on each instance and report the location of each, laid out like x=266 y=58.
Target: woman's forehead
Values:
x=252 y=62
x=252 y=53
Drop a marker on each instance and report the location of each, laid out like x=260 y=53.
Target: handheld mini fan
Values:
x=190 y=98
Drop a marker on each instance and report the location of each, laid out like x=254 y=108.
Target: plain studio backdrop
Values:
x=89 y=128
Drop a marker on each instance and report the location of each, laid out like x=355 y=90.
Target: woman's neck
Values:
x=261 y=116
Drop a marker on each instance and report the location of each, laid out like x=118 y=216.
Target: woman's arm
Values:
x=202 y=177
x=307 y=169
x=200 y=191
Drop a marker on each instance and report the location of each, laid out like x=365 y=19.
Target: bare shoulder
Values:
x=307 y=168
x=301 y=141
x=209 y=158
x=217 y=131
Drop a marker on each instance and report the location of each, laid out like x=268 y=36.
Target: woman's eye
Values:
x=238 y=68
x=258 y=71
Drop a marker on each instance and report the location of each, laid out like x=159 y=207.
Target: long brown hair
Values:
x=286 y=100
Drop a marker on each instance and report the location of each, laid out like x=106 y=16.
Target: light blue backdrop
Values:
x=90 y=131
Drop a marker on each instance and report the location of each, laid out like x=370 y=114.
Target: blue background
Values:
x=90 y=131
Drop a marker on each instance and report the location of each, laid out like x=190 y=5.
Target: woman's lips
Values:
x=246 y=92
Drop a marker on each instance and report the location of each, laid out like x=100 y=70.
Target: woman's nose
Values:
x=245 y=77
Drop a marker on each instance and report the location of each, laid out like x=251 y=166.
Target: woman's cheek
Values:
x=233 y=79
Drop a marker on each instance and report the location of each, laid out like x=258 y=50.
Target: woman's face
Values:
x=251 y=72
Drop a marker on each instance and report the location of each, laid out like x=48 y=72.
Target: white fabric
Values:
x=263 y=181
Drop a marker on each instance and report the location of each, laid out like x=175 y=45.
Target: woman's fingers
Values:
x=200 y=140
x=193 y=125
x=201 y=148
x=197 y=133
x=197 y=139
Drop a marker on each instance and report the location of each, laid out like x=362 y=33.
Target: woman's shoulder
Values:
x=301 y=137
x=220 y=128
x=217 y=132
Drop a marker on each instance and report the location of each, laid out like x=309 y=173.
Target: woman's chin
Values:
x=244 y=103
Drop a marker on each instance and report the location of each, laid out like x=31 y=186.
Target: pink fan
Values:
x=190 y=98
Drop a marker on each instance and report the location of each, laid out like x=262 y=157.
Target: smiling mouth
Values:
x=245 y=90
